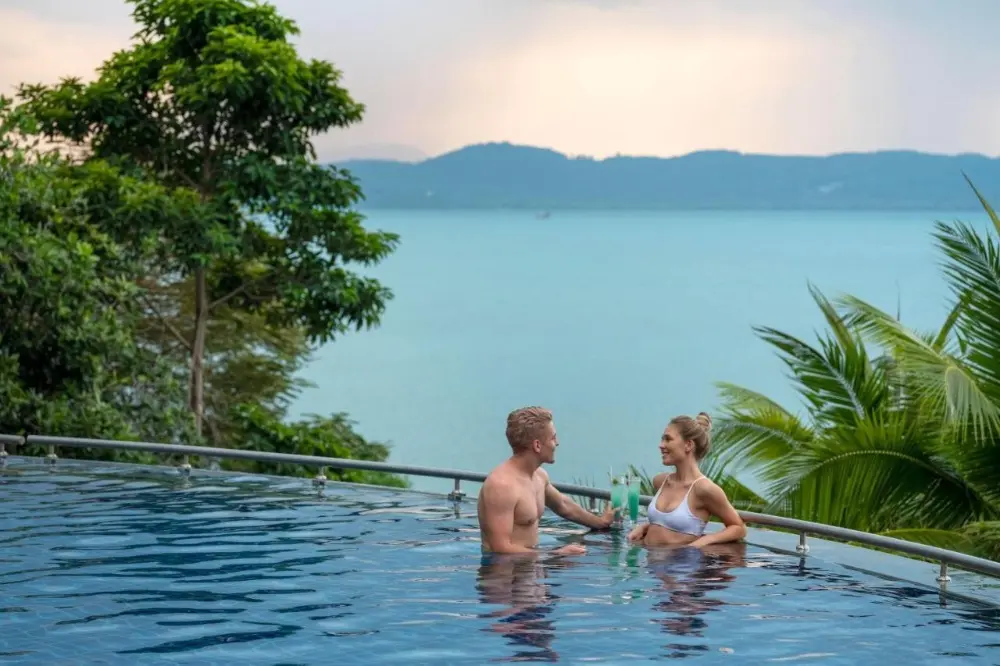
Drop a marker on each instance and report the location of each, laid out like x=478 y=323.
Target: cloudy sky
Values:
x=600 y=77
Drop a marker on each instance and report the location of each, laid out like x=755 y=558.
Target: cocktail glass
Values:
x=634 y=488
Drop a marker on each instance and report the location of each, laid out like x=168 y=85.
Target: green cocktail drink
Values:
x=617 y=495
x=633 y=499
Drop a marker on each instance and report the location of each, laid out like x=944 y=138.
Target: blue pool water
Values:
x=103 y=564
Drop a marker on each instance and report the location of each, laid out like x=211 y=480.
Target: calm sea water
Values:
x=615 y=320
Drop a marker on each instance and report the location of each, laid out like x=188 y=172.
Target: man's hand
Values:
x=571 y=549
x=566 y=508
x=639 y=533
x=608 y=517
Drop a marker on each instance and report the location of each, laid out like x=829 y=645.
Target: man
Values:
x=515 y=494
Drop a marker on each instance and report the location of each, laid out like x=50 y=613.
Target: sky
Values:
x=606 y=77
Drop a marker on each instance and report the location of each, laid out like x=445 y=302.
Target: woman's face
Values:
x=672 y=447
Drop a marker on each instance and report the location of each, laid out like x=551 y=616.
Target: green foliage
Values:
x=905 y=443
x=70 y=362
x=330 y=437
x=214 y=105
x=248 y=361
x=204 y=246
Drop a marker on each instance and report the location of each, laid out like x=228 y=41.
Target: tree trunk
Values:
x=197 y=389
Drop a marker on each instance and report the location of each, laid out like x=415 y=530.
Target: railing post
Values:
x=943 y=578
x=186 y=466
x=592 y=503
x=3 y=453
x=803 y=547
x=320 y=478
x=456 y=494
x=52 y=457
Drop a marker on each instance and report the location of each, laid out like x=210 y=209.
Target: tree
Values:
x=251 y=380
x=248 y=361
x=70 y=360
x=214 y=105
x=905 y=443
x=331 y=437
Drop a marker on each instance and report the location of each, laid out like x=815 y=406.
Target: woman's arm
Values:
x=714 y=499
x=639 y=533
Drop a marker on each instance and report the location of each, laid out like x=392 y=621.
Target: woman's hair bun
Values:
x=704 y=420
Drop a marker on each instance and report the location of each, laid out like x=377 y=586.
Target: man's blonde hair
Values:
x=525 y=425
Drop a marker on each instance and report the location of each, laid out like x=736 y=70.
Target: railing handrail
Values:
x=803 y=527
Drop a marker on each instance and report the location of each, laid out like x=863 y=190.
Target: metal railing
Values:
x=944 y=557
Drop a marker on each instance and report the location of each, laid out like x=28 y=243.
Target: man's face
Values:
x=545 y=446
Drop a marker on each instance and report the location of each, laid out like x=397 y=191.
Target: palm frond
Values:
x=984 y=203
x=985 y=537
x=941 y=339
x=840 y=385
x=738 y=399
x=972 y=268
x=940 y=380
x=883 y=473
x=757 y=437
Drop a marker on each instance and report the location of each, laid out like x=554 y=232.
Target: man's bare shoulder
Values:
x=501 y=479
x=541 y=474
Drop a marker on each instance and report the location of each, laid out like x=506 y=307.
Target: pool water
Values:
x=104 y=564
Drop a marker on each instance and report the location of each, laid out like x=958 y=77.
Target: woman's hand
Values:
x=639 y=533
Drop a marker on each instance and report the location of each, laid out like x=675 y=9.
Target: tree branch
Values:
x=166 y=324
x=242 y=288
x=219 y=301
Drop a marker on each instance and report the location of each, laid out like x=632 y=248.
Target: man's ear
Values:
x=536 y=446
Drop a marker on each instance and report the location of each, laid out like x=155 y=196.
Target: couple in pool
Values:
x=515 y=494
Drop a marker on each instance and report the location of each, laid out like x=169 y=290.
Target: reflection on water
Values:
x=691 y=578
x=688 y=581
x=518 y=584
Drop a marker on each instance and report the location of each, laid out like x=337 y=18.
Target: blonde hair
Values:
x=696 y=430
x=525 y=425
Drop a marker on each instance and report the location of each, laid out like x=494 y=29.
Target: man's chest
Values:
x=531 y=505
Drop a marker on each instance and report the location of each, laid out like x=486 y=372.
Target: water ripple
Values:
x=114 y=565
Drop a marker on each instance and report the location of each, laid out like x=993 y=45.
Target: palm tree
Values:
x=905 y=443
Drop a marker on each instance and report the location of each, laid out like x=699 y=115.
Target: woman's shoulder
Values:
x=706 y=487
x=659 y=480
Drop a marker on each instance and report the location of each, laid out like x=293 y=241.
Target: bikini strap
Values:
x=691 y=487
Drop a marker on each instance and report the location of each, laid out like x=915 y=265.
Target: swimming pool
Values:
x=110 y=564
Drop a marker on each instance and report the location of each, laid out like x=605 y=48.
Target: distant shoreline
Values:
x=524 y=178
x=556 y=211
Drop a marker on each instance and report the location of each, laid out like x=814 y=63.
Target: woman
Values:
x=685 y=499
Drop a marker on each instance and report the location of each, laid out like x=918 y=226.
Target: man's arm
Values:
x=570 y=510
x=499 y=500
x=714 y=499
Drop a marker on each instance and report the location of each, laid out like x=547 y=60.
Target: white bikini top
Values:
x=681 y=519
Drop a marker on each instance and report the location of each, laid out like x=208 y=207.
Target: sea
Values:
x=615 y=320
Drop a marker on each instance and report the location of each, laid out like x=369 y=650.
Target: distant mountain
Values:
x=501 y=175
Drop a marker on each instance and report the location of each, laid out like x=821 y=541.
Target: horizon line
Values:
x=705 y=151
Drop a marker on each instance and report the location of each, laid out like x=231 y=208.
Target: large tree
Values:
x=71 y=362
x=213 y=104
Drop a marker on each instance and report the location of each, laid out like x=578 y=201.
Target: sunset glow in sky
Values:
x=599 y=77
